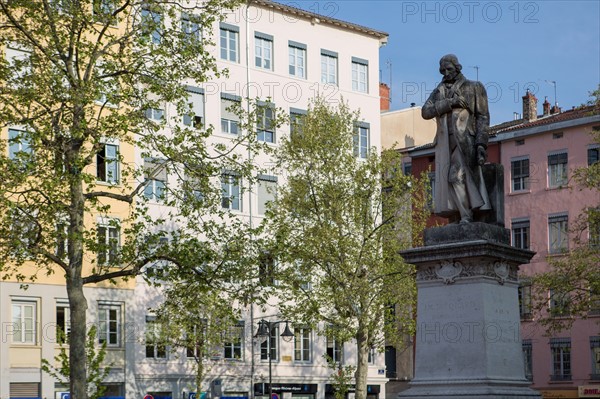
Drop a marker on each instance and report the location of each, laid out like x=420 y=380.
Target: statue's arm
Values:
x=482 y=115
x=434 y=107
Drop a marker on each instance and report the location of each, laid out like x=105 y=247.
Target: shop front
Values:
x=283 y=390
x=372 y=391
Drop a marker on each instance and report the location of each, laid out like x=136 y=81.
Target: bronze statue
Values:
x=460 y=107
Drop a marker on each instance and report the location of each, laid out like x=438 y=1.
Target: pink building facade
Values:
x=542 y=201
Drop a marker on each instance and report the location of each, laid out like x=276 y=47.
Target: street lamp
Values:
x=264 y=330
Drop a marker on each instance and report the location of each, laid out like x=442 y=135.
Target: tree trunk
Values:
x=77 y=301
x=362 y=366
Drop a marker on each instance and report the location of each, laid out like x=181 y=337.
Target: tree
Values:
x=82 y=83
x=339 y=223
x=94 y=358
x=574 y=279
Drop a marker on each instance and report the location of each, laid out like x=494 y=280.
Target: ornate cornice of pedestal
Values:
x=449 y=271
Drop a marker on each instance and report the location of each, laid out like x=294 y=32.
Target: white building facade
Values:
x=272 y=52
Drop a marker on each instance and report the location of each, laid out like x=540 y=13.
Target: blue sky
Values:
x=515 y=44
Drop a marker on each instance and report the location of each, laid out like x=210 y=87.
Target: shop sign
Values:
x=559 y=394
x=589 y=391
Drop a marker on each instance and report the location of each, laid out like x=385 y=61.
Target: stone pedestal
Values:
x=468 y=343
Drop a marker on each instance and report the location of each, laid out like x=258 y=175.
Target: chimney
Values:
x=555 y=109
x=546 y=106
x=529 y=107
x=384 y=97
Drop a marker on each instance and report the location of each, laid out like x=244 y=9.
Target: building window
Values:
x=267 y=190
x=371 y=356
x=107 y=163
x=431 y=188
x=334 y=349
x=560 y=302
x=266 y=269
x=557 y=170
x=154 y=347
x=152 y=25
x=297 y=60
x=302 y=344
x=155 y=114
x=24 y=320
x=272 y=341
x=230 y=192
x=520 y=233
x=190 y=28
x=263 y=51
x=194 y=116
x=528 y=358
x=595 y=349
x=109 y=240
x=561 y=359
x=407 y=168
x=232 y=348
x=229 y=35
x=155 y=175
x=520 y=174
x=265 y=129
x=329 y=60
x=360 y=75
x=296 y=121
x=525 y=307
x=109 y=325
x=558 y=240
x=594 y=227
x=24 y=390
x=361 y=141
x=63 y=322
x=593 y=155
x=194 y=339
x=229 y=118
x=19 y=146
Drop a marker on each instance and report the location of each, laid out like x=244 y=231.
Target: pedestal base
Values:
x=468 y=342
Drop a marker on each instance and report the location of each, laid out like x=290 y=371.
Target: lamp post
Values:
x=264 y=330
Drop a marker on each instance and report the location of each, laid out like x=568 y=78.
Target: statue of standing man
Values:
x=460 y=107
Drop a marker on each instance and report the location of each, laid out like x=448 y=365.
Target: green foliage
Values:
x=94 y=359
x=340 y=378
x=77 y=79
x=339 y=223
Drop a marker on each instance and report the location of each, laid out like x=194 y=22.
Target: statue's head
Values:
x=450 y=67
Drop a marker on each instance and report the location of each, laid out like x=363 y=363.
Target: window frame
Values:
x=519 y=174
x=156 y=34
x=527 y=348
x=105 y=330
x=18 y=143
x=357 y=72
x=329 y=67
x=521 y=233
x=109 y=248
x=525 y=300
x=156 y=179
x=274 y=345
x=335 y=350
x=231 y=191
x=558 y=232
x=265 y=129
x=302 y=345
x=63 y=328
x=362 y=140
x=20 y=325
x=229 y=118
x=560 y=349
x=102 y=168
x=558 y=169
x=153 y=348
x=297 y=51
x=234 y=348
x=270 y=184
x=263 y=51
x=230 y=36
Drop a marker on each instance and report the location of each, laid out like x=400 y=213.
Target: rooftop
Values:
x=321 y=18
